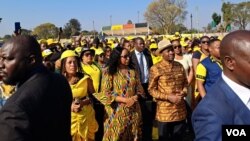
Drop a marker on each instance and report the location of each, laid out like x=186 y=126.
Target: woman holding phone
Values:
x=83 y=122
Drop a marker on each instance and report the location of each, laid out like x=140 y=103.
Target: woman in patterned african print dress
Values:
x=120 y=91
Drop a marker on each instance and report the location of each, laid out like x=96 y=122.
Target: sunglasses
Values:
x=101 y=55
x=203 y=42
x=88 y=54
x=175 y=47
x=125 y=56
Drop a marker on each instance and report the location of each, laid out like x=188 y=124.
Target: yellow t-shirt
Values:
x=95 y=73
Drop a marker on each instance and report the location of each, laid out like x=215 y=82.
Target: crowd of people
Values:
x=121 y=89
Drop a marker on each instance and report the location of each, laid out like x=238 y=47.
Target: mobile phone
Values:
x=77 y=101
x=17 y=26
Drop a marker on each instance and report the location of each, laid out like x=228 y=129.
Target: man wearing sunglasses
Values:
x=209 y=69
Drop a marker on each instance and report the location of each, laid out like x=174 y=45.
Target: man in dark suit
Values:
x=227 y=102
x=40 y=108
x=142 y=61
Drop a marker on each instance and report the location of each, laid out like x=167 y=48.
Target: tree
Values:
x=236 y=14
x=241 y=14
x=164 y=14
x=216 y=19
x=6 y=37
x=129 y=22
x=85 y=32
x=227 y=14
x=26 y=32
x=209 y=28
x=72 y=28
x=45 y=31
x=178 y=28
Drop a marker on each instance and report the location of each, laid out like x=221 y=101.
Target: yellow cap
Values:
x=78 y=50
x=68 y=53
x=220 y=38
x=129 y=38
x=50 y=41
x=153 y=46
x=42 y=41
x=183 y=44
x=46 y=52
x=175 y=38
x=99 y=51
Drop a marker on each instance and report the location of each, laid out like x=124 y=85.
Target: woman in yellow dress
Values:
x=119 y=94
x=95 y=72
x=83 y=122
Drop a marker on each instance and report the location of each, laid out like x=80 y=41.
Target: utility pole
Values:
x=197 y=18
x=110 y=18
x=191 y=16
x=138 y=13
x=94 y=28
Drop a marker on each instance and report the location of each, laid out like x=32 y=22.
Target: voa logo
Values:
x=236 y=132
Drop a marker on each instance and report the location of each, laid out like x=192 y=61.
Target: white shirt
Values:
x=242 y=92
x=186 y=63
x=138 y=55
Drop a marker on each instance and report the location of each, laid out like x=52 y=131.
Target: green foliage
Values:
x=129 y=22
x=227 y=13
x=236 y=14
x=45 y=31
x=162 y=15
x=72 y=28
x=26 y=32
x=178 y=28
x=6 y=37
x=85 y=32
x=216 y=19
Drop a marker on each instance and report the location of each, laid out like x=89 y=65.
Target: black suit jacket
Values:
x=135 y=62
x=40 y=110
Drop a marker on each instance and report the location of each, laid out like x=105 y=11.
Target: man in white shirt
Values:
x=142 y=61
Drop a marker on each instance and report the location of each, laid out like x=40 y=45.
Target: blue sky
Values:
x=32 y=13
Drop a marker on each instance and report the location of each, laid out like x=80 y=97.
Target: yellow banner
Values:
x=117 y=27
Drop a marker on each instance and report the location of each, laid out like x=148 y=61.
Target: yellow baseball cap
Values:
x=68 y=53
x=51 y=41
x=153 y=46
x=46 y=52
x=99 y=51
x=183 y=44
x=78 y=50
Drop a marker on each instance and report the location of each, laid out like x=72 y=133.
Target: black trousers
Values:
x=99 y=116
x=171 y=131
x=148 y=110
